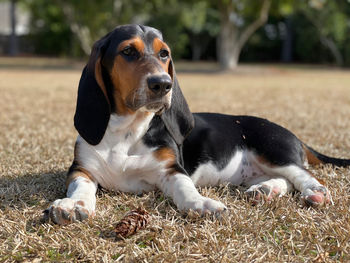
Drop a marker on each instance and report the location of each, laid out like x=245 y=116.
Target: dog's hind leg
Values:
x=313 y=192
x=267 y=189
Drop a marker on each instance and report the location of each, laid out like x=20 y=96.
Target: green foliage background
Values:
x=191 y=27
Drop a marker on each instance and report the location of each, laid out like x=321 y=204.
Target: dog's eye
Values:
x=129 y=51
x=164 y=53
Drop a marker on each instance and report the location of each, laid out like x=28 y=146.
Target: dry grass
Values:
x=36 y=148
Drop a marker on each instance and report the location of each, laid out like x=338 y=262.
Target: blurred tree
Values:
x=283 y=10
x=186 y=23
x=326 y=22
x=266 y=44
x=63 y=27
x=201 y=25
x=89 y=20
x=13 y=50
x=239 y=20
x=59 y=25
x=331 y=22
x=49 y=31
x=168 y=17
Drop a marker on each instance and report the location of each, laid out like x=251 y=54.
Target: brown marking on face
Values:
x=158 y=45
x=124 y=83
x=127 y=76
x=166 y=154
x=135 y=42
x=310 y=157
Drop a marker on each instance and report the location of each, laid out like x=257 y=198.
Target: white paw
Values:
x=67 y=210
x=316 y=196
x=204 y=205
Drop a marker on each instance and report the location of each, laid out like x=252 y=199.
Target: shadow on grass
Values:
x=31 y=190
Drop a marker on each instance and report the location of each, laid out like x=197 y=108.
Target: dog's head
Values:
x=130 y=70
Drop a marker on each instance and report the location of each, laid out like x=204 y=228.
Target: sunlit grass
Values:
x=36 y=148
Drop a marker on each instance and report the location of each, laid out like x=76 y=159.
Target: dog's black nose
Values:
x=159 y=84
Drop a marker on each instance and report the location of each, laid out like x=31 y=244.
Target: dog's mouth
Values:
x=157 y=107
x=148 y=102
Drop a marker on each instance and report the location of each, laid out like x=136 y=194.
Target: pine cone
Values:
x=132 y=222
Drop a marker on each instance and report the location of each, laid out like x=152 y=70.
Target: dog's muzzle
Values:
x=160 y=85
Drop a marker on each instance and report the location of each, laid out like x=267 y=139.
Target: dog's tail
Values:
x=314 y=157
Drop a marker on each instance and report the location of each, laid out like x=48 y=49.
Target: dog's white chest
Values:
x=121 y=161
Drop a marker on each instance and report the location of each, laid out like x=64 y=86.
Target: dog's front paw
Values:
x=204 y=205
x=315 y=196
x=67 y=210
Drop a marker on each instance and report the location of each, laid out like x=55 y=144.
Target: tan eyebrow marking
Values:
x=135 y=42
x=158 y=45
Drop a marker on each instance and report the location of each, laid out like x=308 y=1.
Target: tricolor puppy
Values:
x=137 y=134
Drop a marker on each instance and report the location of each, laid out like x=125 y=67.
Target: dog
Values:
x=137 y=134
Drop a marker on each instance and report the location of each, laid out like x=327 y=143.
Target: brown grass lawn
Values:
x=36 y=149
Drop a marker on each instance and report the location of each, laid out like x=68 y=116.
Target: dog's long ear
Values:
x=93 y=107
x=178 y=118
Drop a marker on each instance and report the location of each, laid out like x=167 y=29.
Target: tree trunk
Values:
x=231 y=39
x=13 y=49
x=227 y=40
x=227 y=46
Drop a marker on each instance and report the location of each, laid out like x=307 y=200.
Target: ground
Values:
x=37 y=101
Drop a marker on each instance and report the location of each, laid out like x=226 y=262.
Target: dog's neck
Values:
x=130 y=126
